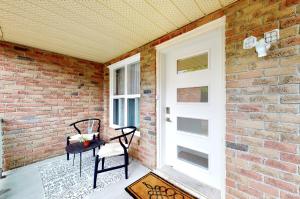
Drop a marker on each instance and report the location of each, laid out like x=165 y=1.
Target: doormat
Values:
x=151 y=186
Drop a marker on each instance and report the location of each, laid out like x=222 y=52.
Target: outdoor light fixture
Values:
x=264 y=44
x=249 y=42
x=271 y=36
x=262 y=47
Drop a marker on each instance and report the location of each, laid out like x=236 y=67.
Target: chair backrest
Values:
x=127 y=132
x=90 y=121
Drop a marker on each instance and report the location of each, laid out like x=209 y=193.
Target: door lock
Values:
x=168 y=119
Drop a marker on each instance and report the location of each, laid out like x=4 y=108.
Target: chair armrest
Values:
x=124 y=134
x=126 y=127
x=77 y=129
x=119 y=136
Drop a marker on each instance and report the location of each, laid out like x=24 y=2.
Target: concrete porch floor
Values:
x=26 y=182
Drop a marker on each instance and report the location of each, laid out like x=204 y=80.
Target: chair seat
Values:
x=78 y=136
x=127 y=130
x=111 y=149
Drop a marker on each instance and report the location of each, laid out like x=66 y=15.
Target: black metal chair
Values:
x=92 y=135
x=115 y=149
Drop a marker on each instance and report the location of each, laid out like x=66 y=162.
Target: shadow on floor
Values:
x=3 y=191
x=26 y=182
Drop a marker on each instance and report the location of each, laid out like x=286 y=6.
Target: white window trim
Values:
x=112 y=67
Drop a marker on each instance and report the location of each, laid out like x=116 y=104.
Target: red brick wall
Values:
x=262 y=135
x=263 y=140
x=41 y=93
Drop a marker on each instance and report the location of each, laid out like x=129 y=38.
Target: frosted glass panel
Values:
x=194 y=63
x=191 y=125
x=118 y=115
x=191 y=156
x=133 y=77
x=193 y=94
x=119 y=81
x=133 y=115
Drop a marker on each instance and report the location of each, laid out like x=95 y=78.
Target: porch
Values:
x=46 y=179
x=211 y=88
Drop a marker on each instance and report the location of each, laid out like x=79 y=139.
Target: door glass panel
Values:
x=119 y=80
x=194 y=63
x=133 y=76
x=133 y=115
x=192 y=125
x=191 y=156
x=193 y=94
x=118 y=115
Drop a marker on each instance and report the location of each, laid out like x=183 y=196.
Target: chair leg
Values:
x=80 y=161
x=68 y=143
x=94 y=150
x=103 y=160
x=73 y=158
x=96 y=171
x=126 y=166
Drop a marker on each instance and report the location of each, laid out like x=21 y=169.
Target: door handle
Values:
x=167 y=110
x=168 y=119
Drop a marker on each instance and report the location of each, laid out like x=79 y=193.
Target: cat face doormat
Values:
x=151 y=186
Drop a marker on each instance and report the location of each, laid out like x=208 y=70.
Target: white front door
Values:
x=194 y=107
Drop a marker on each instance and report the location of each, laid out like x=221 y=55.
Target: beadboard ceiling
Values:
x=97 y=30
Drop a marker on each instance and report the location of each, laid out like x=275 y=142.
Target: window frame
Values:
x=112 y=68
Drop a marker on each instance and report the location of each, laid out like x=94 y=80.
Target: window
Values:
x=125 y=92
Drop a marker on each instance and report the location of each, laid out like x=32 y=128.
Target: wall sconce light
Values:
x=264 y=44
x=249 y=42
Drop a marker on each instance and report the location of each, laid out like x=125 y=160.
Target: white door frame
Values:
x=160 y=84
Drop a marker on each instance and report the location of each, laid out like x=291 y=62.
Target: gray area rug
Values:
x=61 y=179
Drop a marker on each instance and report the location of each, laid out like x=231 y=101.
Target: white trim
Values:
x=161 y=49
x=123 y=63
x=197 y=31
x=125 y=91
x=159 y=113
x=223 y=80
x=128 y=60
x=133 y=96
x=127 y=96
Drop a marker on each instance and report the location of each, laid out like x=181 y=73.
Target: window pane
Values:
x=194 y=63
x=193 y=94
x=191 y=125
x=195 y=157
x=118 y=112
x=119 y=78
x=133 y=78
x=133 y=115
